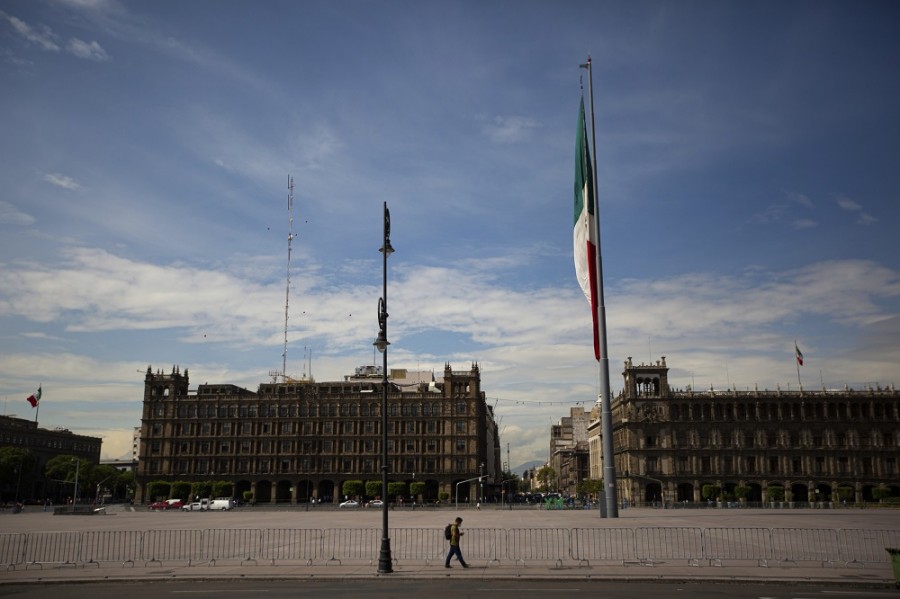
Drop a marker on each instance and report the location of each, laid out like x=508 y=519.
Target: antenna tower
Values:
x=287 y=292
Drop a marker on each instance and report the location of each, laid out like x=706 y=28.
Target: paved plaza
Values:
x=517 y=528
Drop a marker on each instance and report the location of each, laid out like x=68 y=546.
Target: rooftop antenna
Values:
x=287 y=293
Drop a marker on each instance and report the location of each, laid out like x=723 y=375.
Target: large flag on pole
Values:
x=799 y=354
x=586 y=224
x=34 y=398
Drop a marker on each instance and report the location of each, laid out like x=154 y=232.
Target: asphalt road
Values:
x=449 y=589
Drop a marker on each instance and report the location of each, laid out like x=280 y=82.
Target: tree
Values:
x=222 y=488
x=353 y=488
x=373 y=489
x=201 y=489
x=710 y=491
x=181 y=490
x=775 y=493
x=417 y=489
x=396 y=489
x=65 y=468
x=590 y=486
x=16 y=468
x=546 y=476
x=158 y=490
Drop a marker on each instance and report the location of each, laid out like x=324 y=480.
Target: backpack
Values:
x=447 y=533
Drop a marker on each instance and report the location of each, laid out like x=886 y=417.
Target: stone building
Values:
x=44 y=444
x=569 y=455
x=292 y=441
x=797 y=446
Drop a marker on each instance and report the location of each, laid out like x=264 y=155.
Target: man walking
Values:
x=454 y=545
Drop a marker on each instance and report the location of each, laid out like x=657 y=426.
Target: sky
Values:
x=747 y=160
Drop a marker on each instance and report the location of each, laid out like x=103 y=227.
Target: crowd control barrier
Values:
x=583 y=547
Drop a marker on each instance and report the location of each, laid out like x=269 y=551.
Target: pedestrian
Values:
x=455 y=533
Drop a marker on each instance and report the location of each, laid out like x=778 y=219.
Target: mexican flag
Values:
x=799 y=354
x=34 y=398
x=585 y=235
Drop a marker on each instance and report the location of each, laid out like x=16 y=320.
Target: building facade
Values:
x=296 y=441
x=44 y=444
x=569 y=455
x=795 y=446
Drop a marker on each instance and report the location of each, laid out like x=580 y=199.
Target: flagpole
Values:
x=609 y=463
x=37 y=408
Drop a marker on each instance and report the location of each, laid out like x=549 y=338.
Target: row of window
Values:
x=738 y=439
x=773 y=465
x=309 y=410
x=813 y=410
x=319 y=446
x=49 y=443
x=301 y=466
x=308 y=428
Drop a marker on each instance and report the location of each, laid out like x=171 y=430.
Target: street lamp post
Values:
x=381 y=343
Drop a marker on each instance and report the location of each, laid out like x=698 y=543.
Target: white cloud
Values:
x=10 y=215
x=43 y=36
x=63 y=181
x=87 y=50
x=508 y=129
x=848 y=204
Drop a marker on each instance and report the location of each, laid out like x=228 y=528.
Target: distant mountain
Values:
x=528 y=466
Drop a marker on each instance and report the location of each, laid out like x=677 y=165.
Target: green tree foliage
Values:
x=417 y=489
x=846 y=493
x=181 y=490
x=373 y=489
x=158 y=490
x=546 y=477
x=710 y=491
x=775 y=493
x=590 y=486
x=201 y=489
x=353 y=488
x=395 y=489
x=742 y=492
x=222 y=488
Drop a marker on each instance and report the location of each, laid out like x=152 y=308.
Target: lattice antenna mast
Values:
x=287 y=292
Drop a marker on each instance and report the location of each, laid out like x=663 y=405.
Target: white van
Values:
x=221 y=503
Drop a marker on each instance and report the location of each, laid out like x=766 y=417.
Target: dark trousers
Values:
x=454 y=550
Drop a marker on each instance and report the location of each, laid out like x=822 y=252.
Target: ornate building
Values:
x=794 y=446
x=45 y=444
x=569 y=456
x=292 y=441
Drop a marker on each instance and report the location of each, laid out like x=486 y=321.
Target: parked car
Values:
x=168 y=504
x=376 y=503
x=350 y=503
x=202 y=506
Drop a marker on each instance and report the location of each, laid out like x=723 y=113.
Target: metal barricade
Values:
x=595 y=545
x=539 y=544
x=668 y=543
x=738 y=544
x=291 y=544
x=355 y=544
x=231 y=544
x=12 y=549
x=806 y=545
x=418 y=544
x=111 y=546
x=866 y=546
x=172 y=545
x=51 y=548
x=489 y=544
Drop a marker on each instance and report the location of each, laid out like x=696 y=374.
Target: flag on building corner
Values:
x=585 y=234
x=34 y=398
x=799 y=354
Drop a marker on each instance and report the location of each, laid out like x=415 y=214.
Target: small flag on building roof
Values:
x=34 y=398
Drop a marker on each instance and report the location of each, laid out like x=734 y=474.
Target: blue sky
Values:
x=747 y=171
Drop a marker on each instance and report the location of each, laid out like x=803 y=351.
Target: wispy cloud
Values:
x=63 y=181
x=41 y=35
x=87 y=50
x=10 y=215
x=508 y=129
x=44 y=37
x=851 y=205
